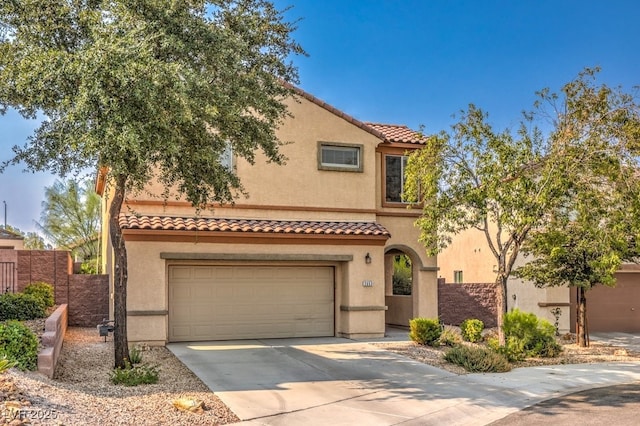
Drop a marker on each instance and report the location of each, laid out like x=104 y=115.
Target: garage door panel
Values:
x=243 y=302
x=615 y=309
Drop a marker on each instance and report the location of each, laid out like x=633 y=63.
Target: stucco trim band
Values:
x=430 y=268
x=258 y=257
x=362 y=308
x=242 y=238
x=147 y=313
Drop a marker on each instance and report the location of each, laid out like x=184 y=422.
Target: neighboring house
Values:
x=309 y=252
x=468 y=259
x=10 y=240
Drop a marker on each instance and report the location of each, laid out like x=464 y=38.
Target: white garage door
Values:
x=249 y=302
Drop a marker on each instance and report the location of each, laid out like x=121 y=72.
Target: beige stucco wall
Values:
x=469 y=253
x=298 y=183
x=404 y=237
x=297 y=190
x=148 y=284
x=527 y=297
x=12 y=243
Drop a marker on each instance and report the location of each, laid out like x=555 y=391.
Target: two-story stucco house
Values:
x=309 y=252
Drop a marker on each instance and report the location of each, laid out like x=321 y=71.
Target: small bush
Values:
x=471 y=330
x=425 y=331
x=135 y=355
x=19 y=345
x=477 y=359
x=142 y=374
x=527 y=336
x=450 y=337
x=21 y=307
x=89 y=267
x=5 y=363
x=42 y=290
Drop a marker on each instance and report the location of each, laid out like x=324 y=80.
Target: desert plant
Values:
x=450 y=337
x=134 y=375
x=425 y=331
x=42 y=290
x=527 y=336
x=5 y=363
x=471 y=330
x=19 y=345
x=477 y=359
x=21 y=307
x=135 y=355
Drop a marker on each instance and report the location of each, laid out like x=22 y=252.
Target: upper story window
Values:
x=226 y=157
x=394 y=177
x=339 y=156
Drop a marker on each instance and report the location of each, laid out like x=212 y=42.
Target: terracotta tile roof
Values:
x=398 y=133
x=166 y=223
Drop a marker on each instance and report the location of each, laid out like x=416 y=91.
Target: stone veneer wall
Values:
x=458 y=302
x=50 y=266
x=87 y=296
x=89 y=299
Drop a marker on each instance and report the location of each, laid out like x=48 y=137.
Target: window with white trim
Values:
x=226 y=157
x=457 y=277
x=339 y=156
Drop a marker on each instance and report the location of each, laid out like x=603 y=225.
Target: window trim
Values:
x=338 y=167
x=227 y=157
x=385 y=202
x=458 y=277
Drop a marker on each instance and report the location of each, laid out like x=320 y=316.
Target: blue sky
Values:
x=418 y=62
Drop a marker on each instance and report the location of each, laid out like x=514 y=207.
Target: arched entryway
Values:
x=401 y=266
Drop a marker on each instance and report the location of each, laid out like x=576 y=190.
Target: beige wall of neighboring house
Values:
x=469 y=252
x=328 y=233
x=11 y=241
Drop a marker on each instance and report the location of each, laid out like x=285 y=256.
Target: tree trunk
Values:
x=501 y=305
x=120 y=342
x=582 y=334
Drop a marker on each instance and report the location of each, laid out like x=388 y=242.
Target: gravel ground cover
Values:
x=81 y=392
x=571 y=354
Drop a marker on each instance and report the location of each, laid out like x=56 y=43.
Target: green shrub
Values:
x=41 y=290
x=21 y=307
x=471 y=330
x=402 y=275
x=450 y=337
x=5 y=363
x=425 y=331
x=89 y=267
x=135 y=355
x=135 y=375
x=527 y=336
x=18 y=344
x=477 y=359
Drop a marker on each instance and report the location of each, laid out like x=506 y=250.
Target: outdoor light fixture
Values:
x=367 y=259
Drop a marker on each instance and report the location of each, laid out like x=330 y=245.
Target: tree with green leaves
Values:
x=597 y=226
x=477 y=178
x=70 y=217
x=508 y=187
x=147 y=89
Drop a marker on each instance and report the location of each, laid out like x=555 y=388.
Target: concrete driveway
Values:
x=339 y=381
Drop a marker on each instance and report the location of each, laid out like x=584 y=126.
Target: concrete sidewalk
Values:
x=339 y=381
